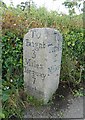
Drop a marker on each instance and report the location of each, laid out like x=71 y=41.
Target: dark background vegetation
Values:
x=15 y=24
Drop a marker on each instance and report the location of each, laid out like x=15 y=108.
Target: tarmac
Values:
x=63 y=105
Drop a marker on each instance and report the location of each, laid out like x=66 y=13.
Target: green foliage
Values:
x=78 y=92
x=12 y=72
x=2 y=115
x=32 y=100
x=13 y=105
x=15 y=23
x=72 y=6
x=73 y=56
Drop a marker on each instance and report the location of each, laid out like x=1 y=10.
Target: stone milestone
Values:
x=42 y=50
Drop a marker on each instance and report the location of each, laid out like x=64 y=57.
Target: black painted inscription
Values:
x=32 y=33
x=35 y=45
x=34 y=74
x=33 y=67
x=54 y=49
x=33 y=54
x=33 y=63
x=53 y=68
x=36 y=34
x=55 y=57
x=50 y=44
x=32 y=89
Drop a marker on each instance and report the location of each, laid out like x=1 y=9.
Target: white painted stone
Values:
x=42 y=50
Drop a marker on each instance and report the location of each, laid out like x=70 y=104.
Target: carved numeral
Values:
x=34 y=54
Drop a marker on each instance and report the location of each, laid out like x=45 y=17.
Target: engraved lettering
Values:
x=34 y=74
x=53 y=68
x=33 y=63
x=42 y=59
x=43 y=76
x=36 y=45
x=38 y=35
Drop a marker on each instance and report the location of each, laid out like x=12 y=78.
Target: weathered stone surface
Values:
x=42 y=49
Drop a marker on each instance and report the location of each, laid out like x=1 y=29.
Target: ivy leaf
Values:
x=69 y=43
x=2 y=115
x=5 y=97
